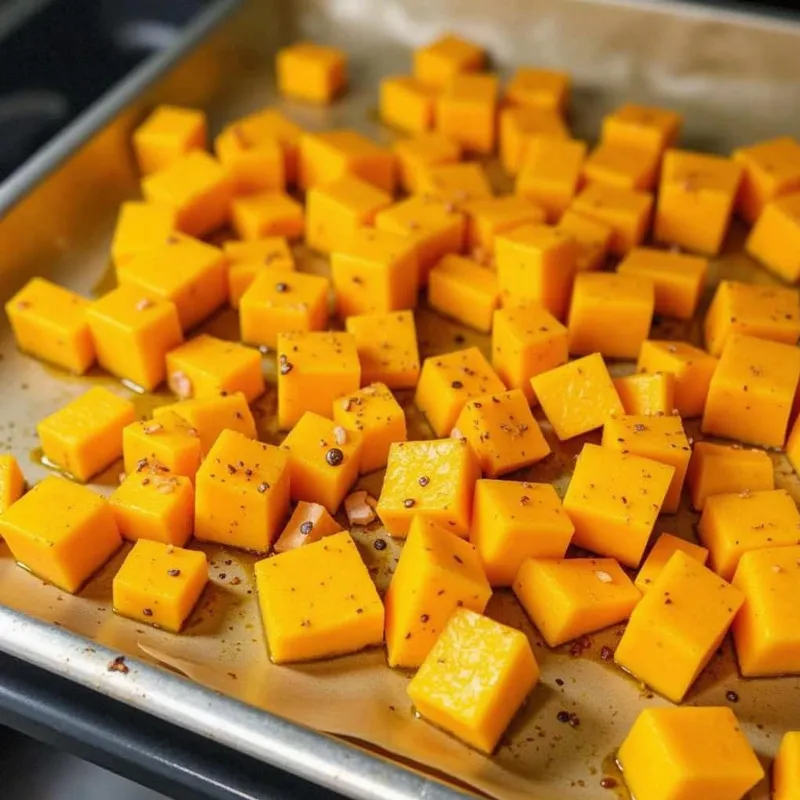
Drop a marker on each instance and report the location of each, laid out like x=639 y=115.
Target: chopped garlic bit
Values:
x=359 y=508
x=180 y=383
x=144 y=304
x=604 y=577
x=777 y=568
x=456 y=434
x=340 y=435
x=153 y=427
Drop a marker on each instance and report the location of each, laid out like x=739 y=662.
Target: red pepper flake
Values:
x=286 y=368
x=379 y=544
x=119 y=665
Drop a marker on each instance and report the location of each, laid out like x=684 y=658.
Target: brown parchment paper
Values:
x=735 y=81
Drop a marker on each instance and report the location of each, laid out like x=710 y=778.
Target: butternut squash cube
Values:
x=168 y=444
x=196 y=188
x=327 y=156
x=786 y=768
x=661 y=439
x=614 y=499
x=242 y=493
x=435 y=228
x=416 y=154
x=85 y=436
x=751 y=394
x=323 y=465
x=592 y=396
x=439 y=62
x=49 y=322
x=626 y=211
x=474 y=679
x=691 y=367
x=377 y=416
x=60 y=531
x=204 y=367
x=771 y=169
x=336 y=210
x=642 y=126
x=462 y=289
x=312 y=72
x=610 y=314
x=695 y=200
x=676 y=753
x=660 y=554
x=407 y=104
x=678 y=278
x=645 y=394
x=168 y=134
x=465 y=111
x=719 y=469
x=432 y=479
x=318 y=601
x=438 y=573
x=622 y=165
x=249 y=259
x=267 y=214
x=526 y=341
x=487 y=218
x=774 y=240
x=210 y=416
x=254 y=166
x=447 y=382
x=592 y=237
x=513 y=521
x=375 y=271
x=502 y=432
x=568 y=598
x=159 y=584
x=387 y=348
x=536 y=263
x=538 y=88
x=149 y=504
x=190 y=273
x=12 y=483
x=456 y=184
x=314 y=369
x=766 y=312
x=520 y=126
x=140 y=227
x=276 y=303
x=309 y=523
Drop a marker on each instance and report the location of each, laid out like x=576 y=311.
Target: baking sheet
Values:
x=734 y=82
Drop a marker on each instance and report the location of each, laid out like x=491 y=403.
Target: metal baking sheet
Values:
x=732 y=75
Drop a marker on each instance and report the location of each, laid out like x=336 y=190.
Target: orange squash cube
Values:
x=432 y=479
x=645 y=394
x=642 y=126
x=487 y=218
x=771 y=169
x=190 y=273
x=149 y=504
x=614 y=499
x=474 y=679
x=254 y=166
x=375 y=271
x=417 y=154
x=465 y=111
x=622 y=165
x=502 y=432
x=276 y=302
x=438 y=573
x=751 y=394
x=407 y=104
x=660 y=554
x=455 y=184
x=661 y=439
x=314 y=369
x=311 y=72
x=592 y=238
x=309 y=523
x=267 y=214
x=168 y=134
x=691 y=367
x=568 y=598
x=519 y=127
x=550 y=173
x=786 y=768
x=168 y=444
x=140 y=227
x=323 y=465
x=536 y=263
x=774 y=240
x=12 y=483
x=448 y=381
x=60 y=531
x=513 y=521
x=538 y=88
x=593 y=398
x=439 y=62
x=249 y=259
x=318 y=601
x=610 y=314
x=766 y=312
x=677 y=627
x=49 y=322
x=205 y=366
x=159 y=584
x=377 y=416
x=462 y=289
x=695 y=200
x=387 y=348
x=85 y=436
x=242 y=493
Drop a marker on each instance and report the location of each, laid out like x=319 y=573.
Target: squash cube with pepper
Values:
x=407 y=104
x=168 y=133
x=140 y=227
x=592 y=237
x=437 y=63
x=538 y=88
x=462 y=289
x=455 y=184
x=647 y=395
x=771 y=170
x=466 y=110
x=169 y=443
x=519 y=127
x=249 y=259
x=647 y=127
x=417 y=153
x=254 y=166
x=12 y=483
x=489 y=217
x=786 y=768
x=622 y=165
x=312 y=72
x=774 y=240
x=660 y=554
x=268 y=214
x=309 y=523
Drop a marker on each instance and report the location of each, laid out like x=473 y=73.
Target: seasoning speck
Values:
x=262 y=487
x=409 y=502
x=173 y=573
x=732 y=697
x=334 y=456
x=148 y=612
x=603 y=577
x=281 y=287
x=563 y=716
x=119 y=665
x=379 y=544
x=424 y=480
x=306 y=527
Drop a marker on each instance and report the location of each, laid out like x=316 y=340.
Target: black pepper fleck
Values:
x=306 y=527
x=334 y=456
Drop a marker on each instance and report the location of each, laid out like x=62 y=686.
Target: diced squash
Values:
x=167 y=444
x=417 y=154
x=474 y=679
x=660 y=554
x=268 y=255
x=487 y=218
x=12 y=482
x=786 y=768
x=623 y=165
x=645 y=394
x=774 y=240
x=538 y=88
x=592 y=237
x=318 y=601
x=140 y=227
x=407 y=104
x=455 y=184
x=464 y=290
x=466 y=109
x=520 y=127
x=771 y=170
x=168 y=133
x=642 y=126
x=437 y=63
x=254 y=166
x=309 y=523
x=267 y=214
x=312 y=72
